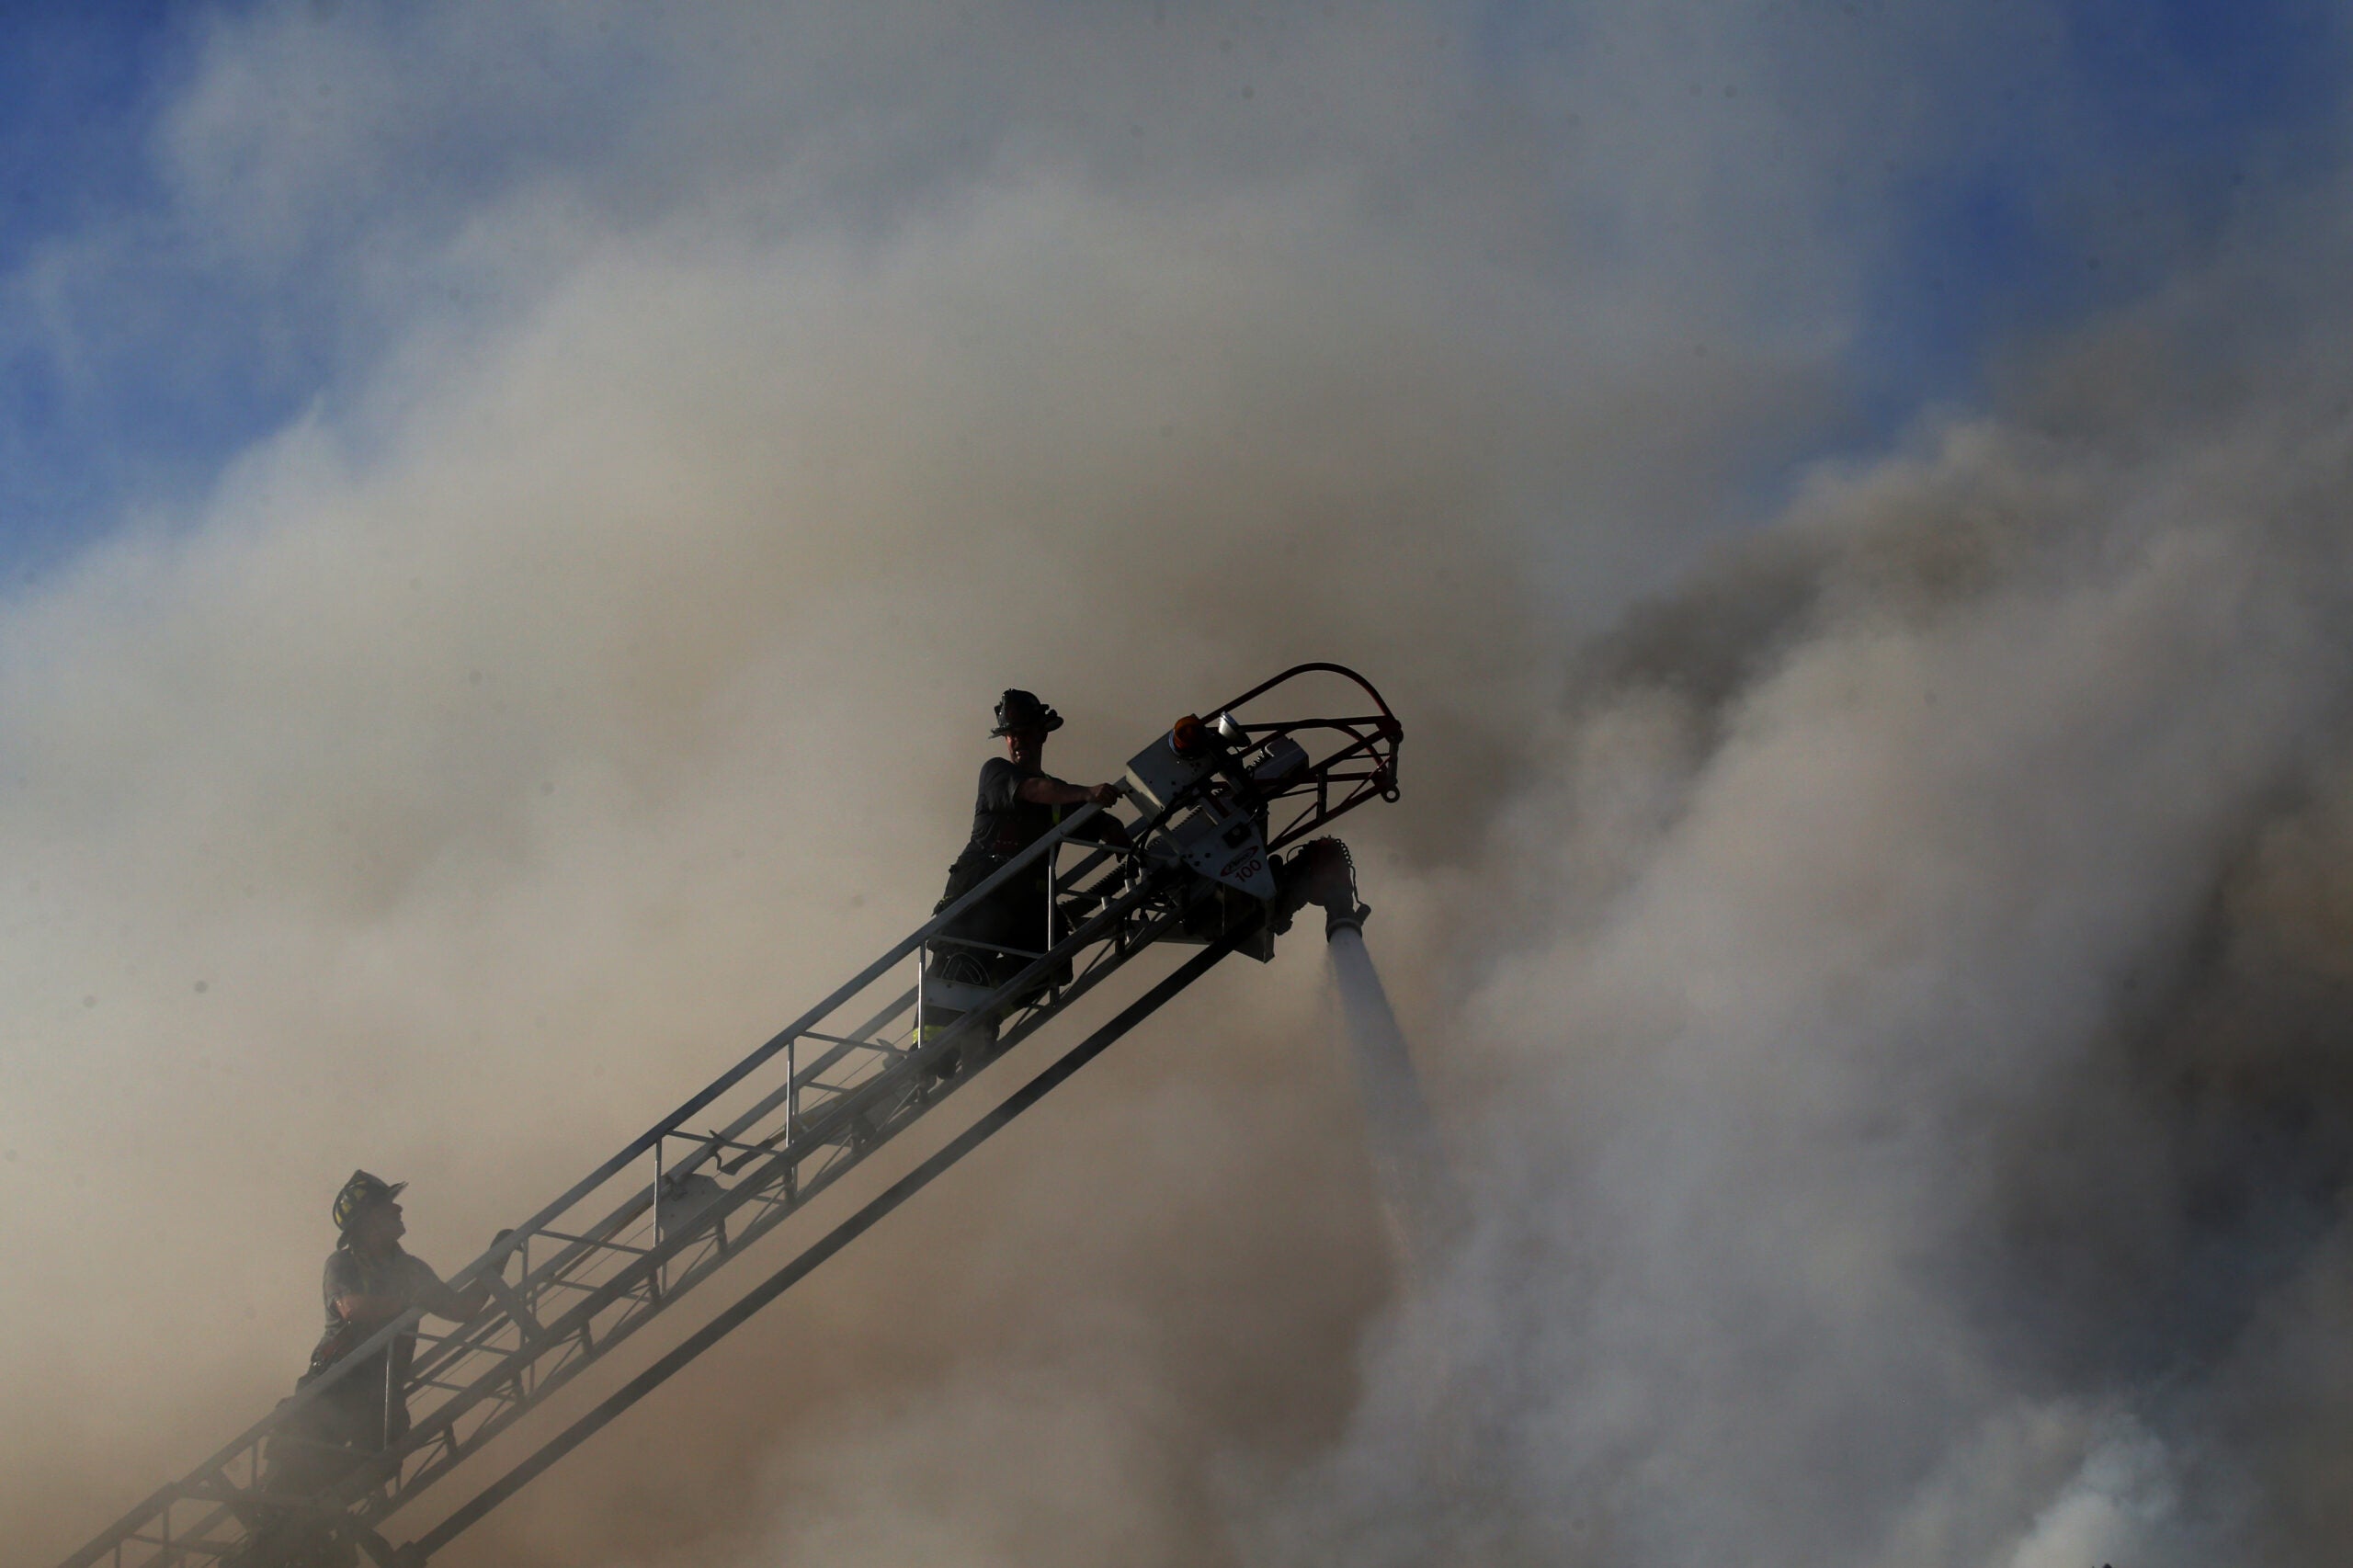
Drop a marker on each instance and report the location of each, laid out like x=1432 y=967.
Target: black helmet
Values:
x=360 y=1191
x=1022 y=711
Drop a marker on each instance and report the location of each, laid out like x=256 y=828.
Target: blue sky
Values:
x=80 y=88
x=2104 y=146
x=2180 y=113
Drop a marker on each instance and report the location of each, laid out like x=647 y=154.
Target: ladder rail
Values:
x=532 y=1355
x=216 y=1473
x=750 y=1192
x=622 y=1287
x=808 y=1127
x=610 y=1261
x=496 y=1256
x=806 y=1261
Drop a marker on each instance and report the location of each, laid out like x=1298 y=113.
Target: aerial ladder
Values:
x=1217 y=851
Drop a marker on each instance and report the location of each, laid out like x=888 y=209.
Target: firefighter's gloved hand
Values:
x=495 y=1239
x=1104 y=795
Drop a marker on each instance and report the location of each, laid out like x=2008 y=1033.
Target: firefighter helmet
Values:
x=360 y=1191
x=1018 y=711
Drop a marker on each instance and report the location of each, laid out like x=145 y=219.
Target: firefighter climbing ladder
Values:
x=1215 y=805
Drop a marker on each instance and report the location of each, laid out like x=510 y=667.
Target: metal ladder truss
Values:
x=580 y=1277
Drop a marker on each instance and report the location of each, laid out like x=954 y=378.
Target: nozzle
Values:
x=1322 y=872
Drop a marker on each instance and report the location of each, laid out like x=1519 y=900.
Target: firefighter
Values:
x=370 y=1280
x=1018 y=801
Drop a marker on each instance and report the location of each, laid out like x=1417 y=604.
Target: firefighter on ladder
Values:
x=1018 y=802
x=369 y=1281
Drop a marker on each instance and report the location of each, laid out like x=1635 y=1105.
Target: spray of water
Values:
x=1409 y=1164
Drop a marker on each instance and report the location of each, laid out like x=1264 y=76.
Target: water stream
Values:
x=1409 y=1163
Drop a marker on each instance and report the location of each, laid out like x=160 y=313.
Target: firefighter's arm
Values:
x=1044 y=791
x=373 y=1313
x=362 y=1310
x=438 y=1298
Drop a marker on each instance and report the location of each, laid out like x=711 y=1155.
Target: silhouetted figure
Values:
x=1017 y=803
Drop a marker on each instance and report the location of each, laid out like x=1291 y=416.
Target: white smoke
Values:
x=2118 y=1505
x=1933 y=1050
x=1881 y=964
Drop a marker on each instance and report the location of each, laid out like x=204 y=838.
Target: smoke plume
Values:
x=1925 y=1130
x=1876 y=937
